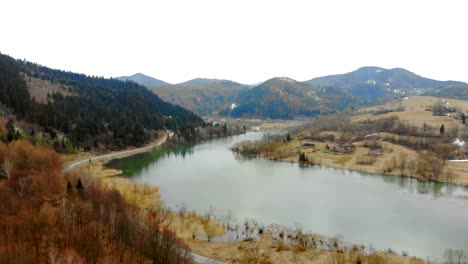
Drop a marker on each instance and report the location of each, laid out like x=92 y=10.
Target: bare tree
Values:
x=23 y=183
x=402 y=161
x=411 y=166
x=165 y=216
x=455 y=256
x=7 y=167
x=53 y=256
x=210 y=213
x=437 y=168
x=443 y=151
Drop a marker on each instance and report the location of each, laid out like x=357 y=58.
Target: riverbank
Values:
x=221 y=146
x=389 y=159
x=271 y=250
x=280 y=245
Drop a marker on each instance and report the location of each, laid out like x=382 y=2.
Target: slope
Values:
x=203 y=96
x=285 y=98
x=97 y=112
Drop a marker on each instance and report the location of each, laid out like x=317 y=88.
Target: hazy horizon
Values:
x=243 y=41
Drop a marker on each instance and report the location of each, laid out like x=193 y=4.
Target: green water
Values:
x=404 y=214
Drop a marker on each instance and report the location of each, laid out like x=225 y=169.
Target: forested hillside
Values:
x=96 y=112
x=284 y=98
x=203 y=96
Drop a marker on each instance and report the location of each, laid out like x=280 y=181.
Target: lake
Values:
x=422 y=218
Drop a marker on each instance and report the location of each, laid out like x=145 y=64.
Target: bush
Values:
x=366 y=160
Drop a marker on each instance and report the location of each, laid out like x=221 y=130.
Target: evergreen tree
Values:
x=70 y=189
x=79 y=186
x=463 y=118
x=288 y=137
x=11 y=130
x=442 y=129
x=303 y=158
x=17 y=135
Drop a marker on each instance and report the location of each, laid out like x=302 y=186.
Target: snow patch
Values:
x=445 y=102
x=371 y=82
x=459 y=143
x=370 y=135
x=233 y=106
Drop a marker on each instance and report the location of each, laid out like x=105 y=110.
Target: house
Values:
x=341 y=149
x=374 y=153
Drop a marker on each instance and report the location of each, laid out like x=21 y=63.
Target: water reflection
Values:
x=422 y=217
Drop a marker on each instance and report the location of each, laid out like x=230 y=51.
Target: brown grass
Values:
x=40 y=88
x=415 y=112
x=266 y=251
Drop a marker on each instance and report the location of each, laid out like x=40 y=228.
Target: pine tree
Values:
x=70 y=189
x=442 y=129
x=303 y=158
x=11 y=130
x=79 y=186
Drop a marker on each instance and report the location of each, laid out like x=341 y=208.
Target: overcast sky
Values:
x=244 y=41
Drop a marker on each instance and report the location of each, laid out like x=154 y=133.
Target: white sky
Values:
x=244 y=41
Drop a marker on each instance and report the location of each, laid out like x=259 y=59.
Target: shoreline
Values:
x=340 y=167
x=455 y=173
x=198 y=254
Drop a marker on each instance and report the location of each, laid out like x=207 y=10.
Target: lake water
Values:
x=404 y=214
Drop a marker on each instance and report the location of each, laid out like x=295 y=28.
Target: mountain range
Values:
x=142 y=79
x=283 y=97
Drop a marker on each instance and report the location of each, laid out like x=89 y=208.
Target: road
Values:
x=118 y=154
x=195 y=257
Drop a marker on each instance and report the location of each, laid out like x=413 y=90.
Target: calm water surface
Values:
x=385 y=212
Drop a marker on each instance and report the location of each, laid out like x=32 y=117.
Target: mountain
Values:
x=203 y=96
x=204 y=81
x=371 y=83
x=92 y=112
x=142 y=79
x=285 y=98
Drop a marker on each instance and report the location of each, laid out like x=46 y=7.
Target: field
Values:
x=39 y=89
x=415 y=111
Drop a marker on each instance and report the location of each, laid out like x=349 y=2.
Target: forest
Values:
x=101 y=112
x=49 y=217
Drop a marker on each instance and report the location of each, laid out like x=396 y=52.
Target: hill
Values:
x=455 y=91
x=285 y=98
x=142 y=79
x=203 y=96
x=92 y=112
x=416 y=110
x=371 y=83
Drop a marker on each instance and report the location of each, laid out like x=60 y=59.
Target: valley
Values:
x=217 y=182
